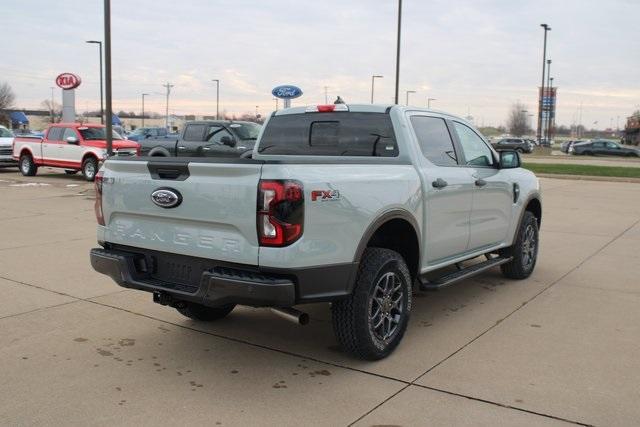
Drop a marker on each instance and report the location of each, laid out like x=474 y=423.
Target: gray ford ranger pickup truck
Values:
x=357 y=205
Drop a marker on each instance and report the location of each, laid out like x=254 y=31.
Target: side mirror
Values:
x=228 y=141
x=72 y=140
x=509 y=159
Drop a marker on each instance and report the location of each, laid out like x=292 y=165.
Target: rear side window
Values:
x=55 y=134
x=435 y=140
x=330 y=134
x=194 y=132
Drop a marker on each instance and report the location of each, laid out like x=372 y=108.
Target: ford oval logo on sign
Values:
x=68 y=81
x=166 y=197
x=286 y=92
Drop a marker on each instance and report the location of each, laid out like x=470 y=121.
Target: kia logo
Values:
x=166 y=197
x=68 y=81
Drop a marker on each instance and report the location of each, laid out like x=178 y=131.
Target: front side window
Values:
x=215 y=134
x=475 y=150
x=435 y=140
x=67 y=133
x=246 y=131
x=613 y=145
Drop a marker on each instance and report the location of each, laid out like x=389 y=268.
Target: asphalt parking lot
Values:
x=559 y=348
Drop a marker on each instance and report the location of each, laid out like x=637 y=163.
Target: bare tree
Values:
x=517 y=120
x=55 y=110
x=7 y=98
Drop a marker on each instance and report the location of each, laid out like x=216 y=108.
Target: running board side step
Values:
x=464 y=273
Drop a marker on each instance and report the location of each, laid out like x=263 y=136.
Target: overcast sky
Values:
x=473 y=55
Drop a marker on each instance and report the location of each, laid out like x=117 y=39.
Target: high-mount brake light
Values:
x=280 y=212
x=98 y=182
x=327 y=108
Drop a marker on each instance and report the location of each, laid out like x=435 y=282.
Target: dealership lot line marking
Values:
x=499 y=322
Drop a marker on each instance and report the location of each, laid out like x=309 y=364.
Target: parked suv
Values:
x=519 y=144
x=358 y=205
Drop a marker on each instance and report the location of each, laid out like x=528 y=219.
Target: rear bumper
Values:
x=216 y=283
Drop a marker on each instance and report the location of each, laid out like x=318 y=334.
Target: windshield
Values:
x=5 y=133
x=246 y=131
x=96 y=134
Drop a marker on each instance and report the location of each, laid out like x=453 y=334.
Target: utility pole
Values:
x=544 y=60
x=217 y=98
x=580 y=121
x=398 y=51
x=143 y=95
x=373 y=78
x=168 y=86
x=326 y=95
x=107 y=72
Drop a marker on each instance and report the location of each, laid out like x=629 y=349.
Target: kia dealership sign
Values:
x=68 y=81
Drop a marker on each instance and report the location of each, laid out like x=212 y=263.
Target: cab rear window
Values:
x=330 y=134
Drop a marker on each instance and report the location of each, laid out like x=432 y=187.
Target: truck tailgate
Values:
x=215 y=219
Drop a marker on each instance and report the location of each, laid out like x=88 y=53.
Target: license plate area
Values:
x=177 y=270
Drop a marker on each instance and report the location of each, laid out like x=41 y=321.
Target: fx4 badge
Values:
x=325 y=195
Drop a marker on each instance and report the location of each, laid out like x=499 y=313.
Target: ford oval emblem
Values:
x=286 y=92
x=166 y=197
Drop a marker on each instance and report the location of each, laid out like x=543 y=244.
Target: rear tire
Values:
x=90 y=168
x=203 y=313
x=524 y=251
x=27 y=165
x=370 y=323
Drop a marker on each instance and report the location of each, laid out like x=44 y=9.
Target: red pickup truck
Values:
x=71 y=146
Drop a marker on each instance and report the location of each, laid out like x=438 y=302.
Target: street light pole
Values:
x=408 y=92
x=166 y=121
x=398 y=51
x=429 y=102
x=99 y=43
x=544 y=60
x=143 y=95
x=52 y=119
x=373 y=78
x=326 y=95
x=217 y=98
x=107 y=72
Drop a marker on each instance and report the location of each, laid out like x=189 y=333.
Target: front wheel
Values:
x=89 y=168
x=371 y=322
x=524 y=251
x=27 y=165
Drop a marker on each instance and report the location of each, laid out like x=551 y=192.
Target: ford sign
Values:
x=286 y=92
x=166 y=197
x=68 y=81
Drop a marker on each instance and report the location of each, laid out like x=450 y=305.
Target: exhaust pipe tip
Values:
x=292 y=315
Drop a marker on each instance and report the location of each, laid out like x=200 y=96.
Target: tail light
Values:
x=98 y=204
x=280 y=212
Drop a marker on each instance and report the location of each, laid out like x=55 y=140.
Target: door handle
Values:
x=181 y=147
x=480 y=182
x=439 y=183
x=206 y=148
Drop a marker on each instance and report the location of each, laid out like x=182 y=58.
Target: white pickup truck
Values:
x=358 y=205
x=71 y=146
x=6 y=147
